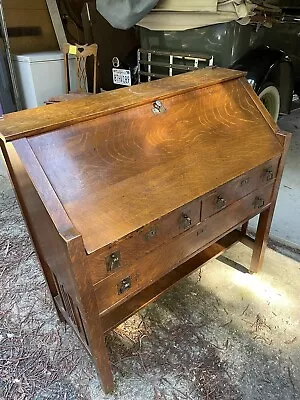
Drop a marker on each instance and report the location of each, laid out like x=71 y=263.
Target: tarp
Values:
x=173 y=14
x=124 y=14
x=187 y=5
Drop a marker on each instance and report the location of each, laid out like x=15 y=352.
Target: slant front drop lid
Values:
x=126 y=192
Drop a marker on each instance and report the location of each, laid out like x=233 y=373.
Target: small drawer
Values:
x=143 y=241
x=219 y=224
x=239 y=187
x=128 y=281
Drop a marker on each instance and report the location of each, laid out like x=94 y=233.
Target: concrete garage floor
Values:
x=286 y=223
x=219 y=334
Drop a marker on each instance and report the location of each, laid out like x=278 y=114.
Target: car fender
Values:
x=269 y=65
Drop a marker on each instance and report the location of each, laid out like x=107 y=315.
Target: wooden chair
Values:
x=81 y=53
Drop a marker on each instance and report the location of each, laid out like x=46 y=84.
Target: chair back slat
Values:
x=81 y=53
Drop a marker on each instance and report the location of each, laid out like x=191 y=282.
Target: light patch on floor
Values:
x=272 y=293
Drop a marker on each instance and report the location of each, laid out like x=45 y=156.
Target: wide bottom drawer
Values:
x=129 y=280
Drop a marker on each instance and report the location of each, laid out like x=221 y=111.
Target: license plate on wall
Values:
x=121 y=77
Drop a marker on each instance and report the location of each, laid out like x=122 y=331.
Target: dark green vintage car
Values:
x=263 y=42
x=268 y=55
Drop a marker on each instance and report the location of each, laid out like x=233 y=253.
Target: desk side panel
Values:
x=63 y=265
x=50 y=247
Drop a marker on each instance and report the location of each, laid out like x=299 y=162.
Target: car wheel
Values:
x=270 y=97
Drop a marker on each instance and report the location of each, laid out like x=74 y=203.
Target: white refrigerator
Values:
x=41 y=76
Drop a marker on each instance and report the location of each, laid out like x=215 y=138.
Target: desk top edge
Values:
x=44 y=119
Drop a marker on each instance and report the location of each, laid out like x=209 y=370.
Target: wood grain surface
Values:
x=143 y=241
x=111 y=175
x=117 y=173
x=44 y=119
x=135 y=246
x=239 y=187
x=160 y=261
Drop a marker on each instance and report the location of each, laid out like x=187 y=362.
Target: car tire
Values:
x=270 y=97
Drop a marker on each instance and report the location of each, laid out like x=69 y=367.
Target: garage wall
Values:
x=23 y=14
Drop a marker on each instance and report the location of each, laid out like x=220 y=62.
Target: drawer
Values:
x=135 y=246
x=129 y=280
x=252 y=204
x=239 y=187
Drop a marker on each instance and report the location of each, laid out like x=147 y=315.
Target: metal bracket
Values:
x=220 y=202
x=258 y=202
x=124 y=285
x=269 y=174
x=245 y=181
x=185 y=221
x=113 y=261
x=151 y=233
x=158 y=107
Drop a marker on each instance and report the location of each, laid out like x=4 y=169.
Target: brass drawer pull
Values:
x=258 y=202
x=113 y=261
x=185 y=221
x=158 y=107
x=124 y=285
x=269 y=175
x=220 y=202
x=151 y=234
x=245 y=181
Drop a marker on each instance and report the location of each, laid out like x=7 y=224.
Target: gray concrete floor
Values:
x=286 y=221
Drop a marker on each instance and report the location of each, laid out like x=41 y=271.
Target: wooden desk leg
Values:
x=87 y=304
x=244 y=228
x=261 y=239
x=265 y=218
x=103 y=366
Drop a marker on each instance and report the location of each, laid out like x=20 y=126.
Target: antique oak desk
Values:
x=126 y=192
